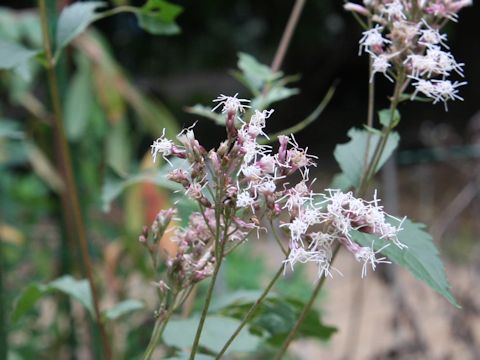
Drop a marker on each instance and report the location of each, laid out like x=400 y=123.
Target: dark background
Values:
x=194 y=66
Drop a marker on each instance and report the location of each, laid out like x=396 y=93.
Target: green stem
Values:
x=250 y=312
x=219 y=257
x=377 y=155
x=71 y=202
x=305 y=311
x=287 y=35
x=160 y=326
x=3 y=320
x=277 y=239
x=305 y=122
x=208 y=299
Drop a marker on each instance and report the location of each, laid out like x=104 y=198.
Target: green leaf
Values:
x=385 y=117
x=27 y=299
x=13 y=55
x=351 y=156
x=10 y=129
x=77 y=289
x=275 y=317
x=123 y=308
x=74 y=19
x=113 y=188
x=256 y=74
x=158 y=17
x=341 y=182
x=79 y=101
x=186 y=356
x=421 y=257
x=206 y=112
x=217 y=329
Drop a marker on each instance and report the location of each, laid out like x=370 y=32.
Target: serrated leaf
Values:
x=351 y=156
x=13 y=55
x=158 y=17
x=217 y=329
x=275 y=317
x=123 y=308
x=74 y=19
x=77 y=289
x=421 y=257
x=385 y=116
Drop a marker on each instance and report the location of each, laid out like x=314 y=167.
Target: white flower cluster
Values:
x=245 y=176
x=337 y=215
x=407 y=37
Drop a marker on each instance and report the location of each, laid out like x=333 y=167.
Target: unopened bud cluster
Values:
x=405 y=36
x=242 y=182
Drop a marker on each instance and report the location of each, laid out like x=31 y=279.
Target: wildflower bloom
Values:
x=239 y=183
x=231 y=104
x=380 y=64
x=162 y=146
x=372 y=40
x=405 y=38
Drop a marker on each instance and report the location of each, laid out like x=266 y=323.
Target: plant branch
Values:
x=250 y=312
x=220 y=242
x=287 y=35
x=307 y=121
x=71 y=202
x=305 y=311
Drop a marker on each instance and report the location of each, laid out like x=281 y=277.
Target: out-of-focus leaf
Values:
x=239 y=297
x=123 y=308
x=119 y=147
x=256 y=73
x=206 y=111
x=152 y=114
x=113 y=188
x=27 y=300
x=351 y=156
x=277 y=315
x=10 y=129
x=341 y=182
x=274 y=95
x=186 y=356
x=43 y=167
x=77 y=289
x=385 y=117
x=13 y=54
x=216 y=331
x=79 y=100
x=74 y=19
x=421 y=257
x=158 y=17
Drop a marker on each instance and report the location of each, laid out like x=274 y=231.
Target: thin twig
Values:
x=305 y=311
x=307 y=121
x=277 y=239
x=71 y=206
x=287 y=35
x=250 y=312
